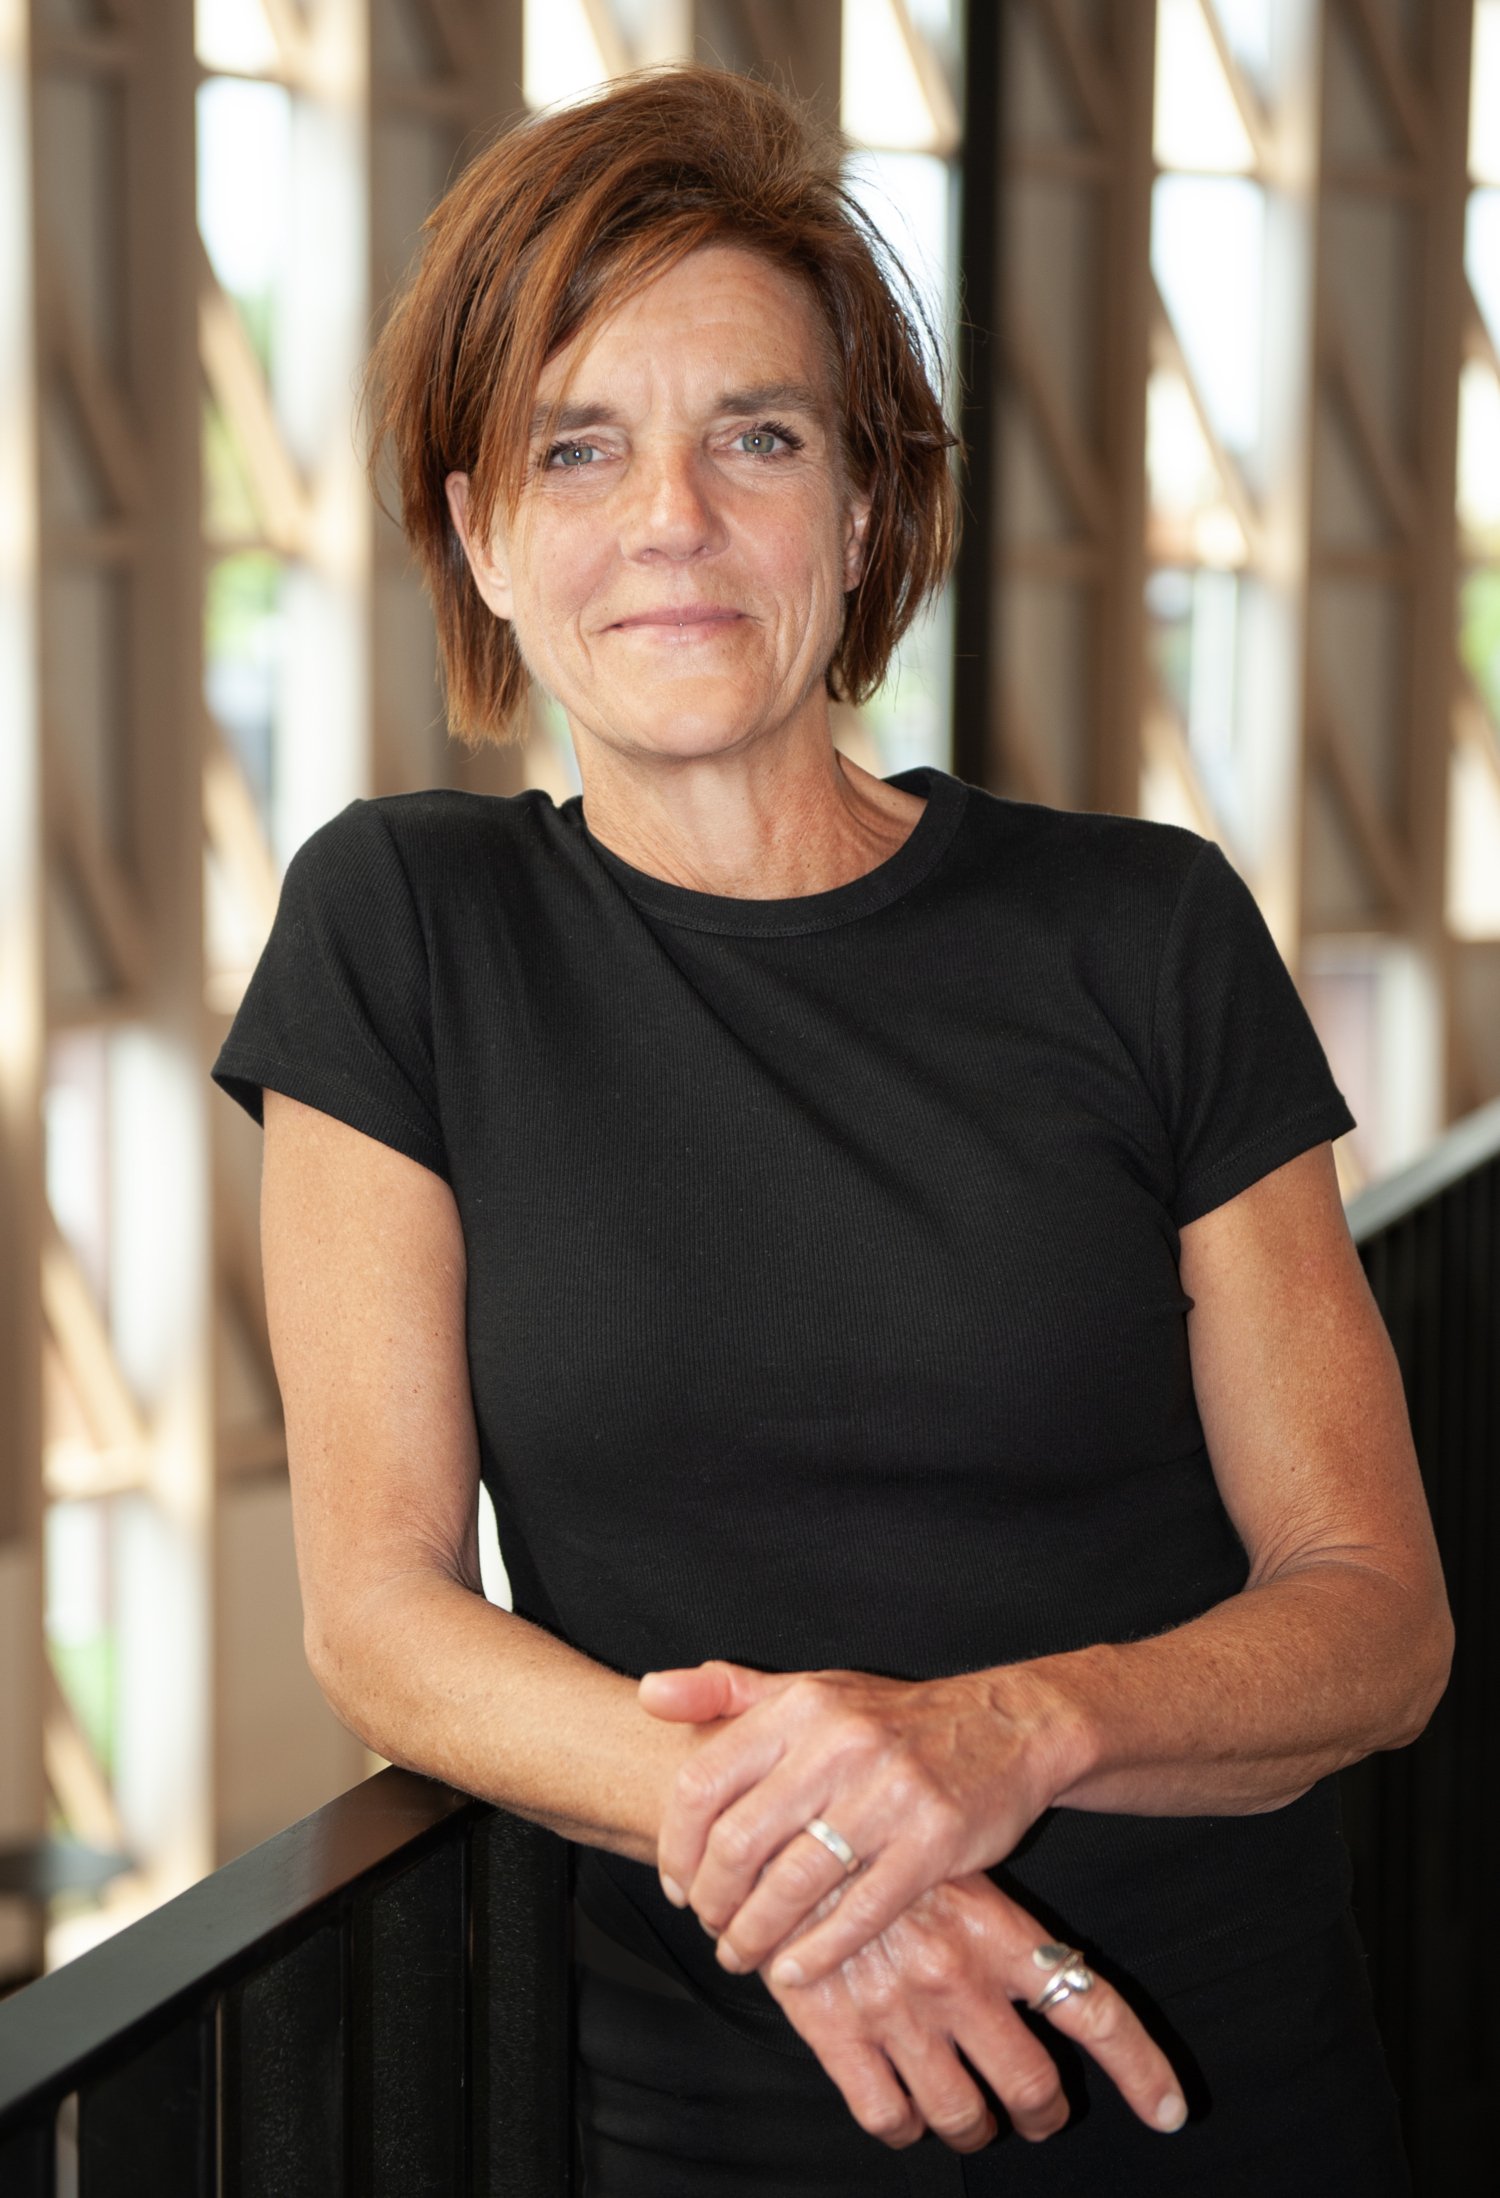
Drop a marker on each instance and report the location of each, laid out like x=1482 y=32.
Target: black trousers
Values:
x=1286 y=2085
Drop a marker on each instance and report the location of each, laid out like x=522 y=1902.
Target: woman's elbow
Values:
x=1426 y=1664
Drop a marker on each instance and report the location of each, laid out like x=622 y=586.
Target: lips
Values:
x=678 y=616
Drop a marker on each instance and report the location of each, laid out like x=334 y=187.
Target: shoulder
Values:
x=424 y=840
x=1092 y=864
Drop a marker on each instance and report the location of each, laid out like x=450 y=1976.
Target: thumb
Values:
x=696 y=1694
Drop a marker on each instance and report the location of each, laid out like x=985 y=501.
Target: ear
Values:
x=856 y=527
x=487 y=560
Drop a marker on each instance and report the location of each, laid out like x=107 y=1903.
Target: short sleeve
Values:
x=338 y=1012
x=1242 y=1080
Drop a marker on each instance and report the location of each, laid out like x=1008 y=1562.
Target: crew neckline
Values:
x=918 y=854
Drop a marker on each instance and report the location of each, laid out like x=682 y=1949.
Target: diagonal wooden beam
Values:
x=75 y=1773
x=114 y=1418
x=1026 y=753
x=1474 y=722
x=232 y=823
x=291 y=33
x=112 y=433
x=1082 y=478
x=1247 y=100
x=454 y=34
x=1167 y=351
x=613 y=51
x=1386 y=860
x=1165 y=742
x=937 y=92
x=1405 y=100
x=1080 y=65
x=110 y=898
x=234 y=375
x=1397 y=489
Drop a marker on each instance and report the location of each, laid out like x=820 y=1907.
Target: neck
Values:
x=761 y=824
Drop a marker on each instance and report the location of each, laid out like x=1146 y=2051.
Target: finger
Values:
x=792 y=1885
x=881 y=1892
x=731 y=1688
x=1111 y=2031
x=759 y=1860
x=944 y=2094
x=1013 y=2062
x=725 y=1767
x=871 y=2091
x=691 y=1696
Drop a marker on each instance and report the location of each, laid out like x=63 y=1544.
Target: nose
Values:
x=671 y=512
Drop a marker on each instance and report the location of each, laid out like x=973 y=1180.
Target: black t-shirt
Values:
x=823 y=1302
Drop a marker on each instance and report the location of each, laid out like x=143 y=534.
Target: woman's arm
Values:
x=365 y=1286
x=1339 y=1643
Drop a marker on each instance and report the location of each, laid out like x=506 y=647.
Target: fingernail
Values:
x=674 y=1892
x=787 y=1972
x=1171 y=2113
x=728 y=1958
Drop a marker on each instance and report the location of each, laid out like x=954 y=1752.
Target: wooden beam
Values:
x=105 y=413
x=1247 y=100
x=1386 y=861
x=109 y=897
x=1079 y=65
x=1397 y=489
x=1081 y=477
x=1032 y=762
x=1405 y=100
x=232 y=822
x=1167 y=351
x=114 y=1418
x=235 y=377
x=75 y=1773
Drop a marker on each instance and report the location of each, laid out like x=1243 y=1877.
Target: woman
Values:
x=878 y=1244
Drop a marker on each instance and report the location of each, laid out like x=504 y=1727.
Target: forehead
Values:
x=724 y=315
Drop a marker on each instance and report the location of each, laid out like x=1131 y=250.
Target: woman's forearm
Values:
x=1244 y=1708
x=436 y=1679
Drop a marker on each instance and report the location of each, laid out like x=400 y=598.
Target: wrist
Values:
x=1052 y=1717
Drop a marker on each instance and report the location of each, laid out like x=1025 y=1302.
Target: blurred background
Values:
x=1219 y=283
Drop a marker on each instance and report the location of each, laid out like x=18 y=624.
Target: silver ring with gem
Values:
x=1070 y=1973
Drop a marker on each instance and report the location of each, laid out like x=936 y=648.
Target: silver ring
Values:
x=1070 y=1973
x=835 y=1842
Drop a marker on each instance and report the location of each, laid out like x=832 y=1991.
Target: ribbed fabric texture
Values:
x=823 y=1292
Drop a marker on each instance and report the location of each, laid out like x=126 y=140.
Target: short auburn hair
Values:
x=544 y=235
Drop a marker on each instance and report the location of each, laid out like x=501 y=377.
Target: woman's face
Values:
x=676 y=565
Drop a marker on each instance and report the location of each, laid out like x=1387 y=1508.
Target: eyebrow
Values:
x=571 y=419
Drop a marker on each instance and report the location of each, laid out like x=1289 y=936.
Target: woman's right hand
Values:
x=944 y=1976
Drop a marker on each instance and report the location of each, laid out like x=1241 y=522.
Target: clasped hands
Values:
x=888 y=1973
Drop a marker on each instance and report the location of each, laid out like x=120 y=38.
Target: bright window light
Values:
x=1206 y=253
x=561 y=55
x=234 y=34
x=1197 y=122
x=1484 y=94
x=1474 y=837
x=909 y=198
x=244 y=165
x=884 y=101
x=1479 y=453
x=1482 y=256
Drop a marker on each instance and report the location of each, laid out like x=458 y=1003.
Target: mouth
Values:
x=680 y=622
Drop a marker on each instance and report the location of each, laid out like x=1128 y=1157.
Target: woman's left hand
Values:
x=926 y=1780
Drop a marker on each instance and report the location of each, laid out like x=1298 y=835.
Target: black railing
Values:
x=1420 y=1822
x=374 y=2004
